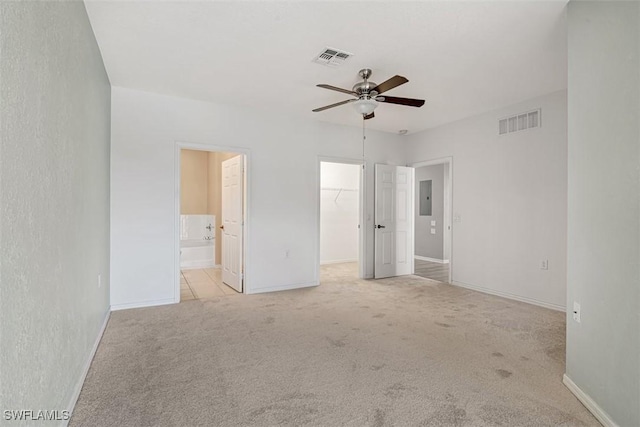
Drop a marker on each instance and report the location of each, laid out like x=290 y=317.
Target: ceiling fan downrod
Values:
x=365 y=87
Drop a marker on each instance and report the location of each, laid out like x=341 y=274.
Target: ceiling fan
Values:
x=368 y=93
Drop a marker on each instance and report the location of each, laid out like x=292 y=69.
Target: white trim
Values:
x=247 y=204
x=362 y=234
x=142 y=304
x=589 y=403
x=424 y=258
x=448 y=218
x=338 y=261
x=510 y=296
x=285 y=287
x=85 y=370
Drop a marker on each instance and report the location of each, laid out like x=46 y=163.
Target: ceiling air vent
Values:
x=522 y=121
x=332 y=57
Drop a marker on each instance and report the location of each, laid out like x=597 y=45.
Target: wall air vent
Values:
x=522 y=121
x=332 y=57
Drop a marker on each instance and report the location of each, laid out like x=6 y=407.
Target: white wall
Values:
x=427 y=244
x=339 y=212
x=510 y=194
x=283 y=175
x=54 y=203
x=603 y=351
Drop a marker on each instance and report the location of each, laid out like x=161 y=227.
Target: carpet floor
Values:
x=399 y=351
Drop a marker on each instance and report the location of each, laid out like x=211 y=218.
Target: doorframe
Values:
x=246 y=208
x=362 y=235
x=449 y=215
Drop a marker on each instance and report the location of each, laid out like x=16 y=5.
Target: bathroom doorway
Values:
x=211 y=226
x=341 y=200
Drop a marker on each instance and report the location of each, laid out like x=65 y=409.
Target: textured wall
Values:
x=510 y=196
x=603 y=256
x=282 y=182
x=54 y=201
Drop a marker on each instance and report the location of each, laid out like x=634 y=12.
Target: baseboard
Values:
x=78 y=388
x=339 y=261
x=510 y=296
x=589 y=403
x=424 y=258
x=283 y=288
x=142 y=304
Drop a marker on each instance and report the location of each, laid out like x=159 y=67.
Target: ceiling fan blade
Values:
x=401 y=101
x=369 y=116
x=326 y=107
x=394 y=81
x=350 y=92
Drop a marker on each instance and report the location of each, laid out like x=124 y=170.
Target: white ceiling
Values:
x=464 y=58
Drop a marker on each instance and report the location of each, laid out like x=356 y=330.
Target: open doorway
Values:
x=340 y=218
x=432 y=254
x=210 y=223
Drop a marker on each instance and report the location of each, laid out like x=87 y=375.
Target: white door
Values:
x=232 y=221
x=394 y=221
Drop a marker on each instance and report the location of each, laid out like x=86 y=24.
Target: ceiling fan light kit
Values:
x=367 y=95
x=365 y=106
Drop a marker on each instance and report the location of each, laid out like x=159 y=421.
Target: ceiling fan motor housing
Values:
x=364 y=87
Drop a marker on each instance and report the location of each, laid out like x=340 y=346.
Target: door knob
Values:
x=380 y=226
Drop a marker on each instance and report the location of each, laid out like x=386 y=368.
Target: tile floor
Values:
x=203 y=283
x=432 y=270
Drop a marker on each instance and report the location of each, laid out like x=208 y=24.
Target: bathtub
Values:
x=197 y=253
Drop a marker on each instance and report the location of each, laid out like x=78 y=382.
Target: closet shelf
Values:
x=339 y=190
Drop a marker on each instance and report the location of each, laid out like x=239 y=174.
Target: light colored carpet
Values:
x=402 y=351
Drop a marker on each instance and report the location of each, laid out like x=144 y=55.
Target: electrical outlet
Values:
x=99 y=280
x=544 y=264
x=576 y=312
